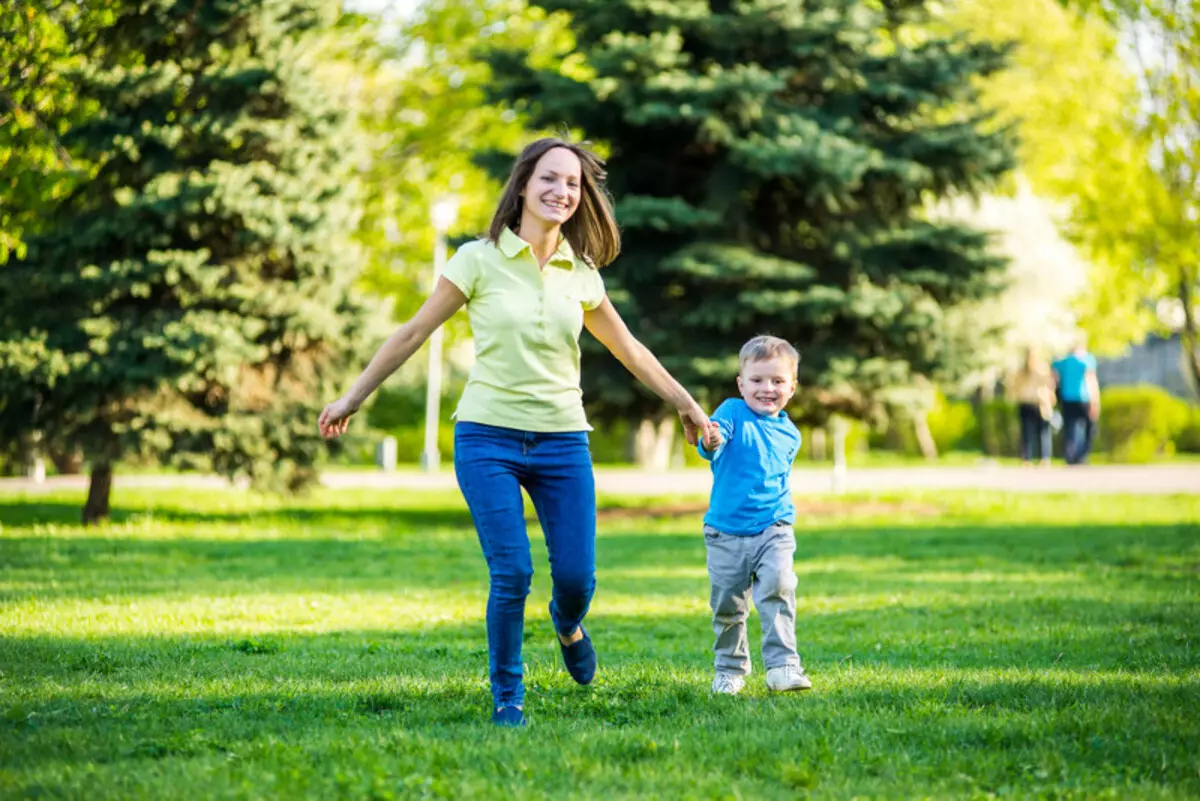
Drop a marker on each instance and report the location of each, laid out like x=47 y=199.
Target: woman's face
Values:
x=553 y=191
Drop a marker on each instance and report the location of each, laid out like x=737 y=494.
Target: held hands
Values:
x=336 y=417
x=694 y=421
x=712 y=436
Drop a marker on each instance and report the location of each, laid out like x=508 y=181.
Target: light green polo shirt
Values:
x=526 y=324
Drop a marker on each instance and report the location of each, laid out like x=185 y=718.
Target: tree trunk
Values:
x=987 y=435
x=837 y=428
x=96 y=508
x=653 y=442
x=67 y=462
x=924 y=436
x=1189 y=337
x=816 y=444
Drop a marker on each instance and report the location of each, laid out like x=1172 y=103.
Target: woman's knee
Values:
x=513 y=580
x=574 y=583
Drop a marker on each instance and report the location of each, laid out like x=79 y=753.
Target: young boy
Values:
x=748 y=529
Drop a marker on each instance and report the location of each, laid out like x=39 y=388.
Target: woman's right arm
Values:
x=441 y=305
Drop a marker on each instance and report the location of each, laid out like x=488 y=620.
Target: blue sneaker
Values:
x=580 y=658
x=510 y=716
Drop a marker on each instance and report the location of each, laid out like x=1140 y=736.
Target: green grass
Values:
x=962 y=645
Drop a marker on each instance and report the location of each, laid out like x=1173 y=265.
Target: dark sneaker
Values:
x=580 y=658
x=511 y=716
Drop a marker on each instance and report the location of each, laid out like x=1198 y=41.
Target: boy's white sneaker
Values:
x=728 y=684
x=788 y=678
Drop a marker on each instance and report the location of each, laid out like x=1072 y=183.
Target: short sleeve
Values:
x=1091 y=362
x=723 y=417
x=462 y=269
x=593 y=288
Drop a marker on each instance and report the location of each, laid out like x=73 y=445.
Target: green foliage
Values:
x=1070 y=89
x=41 y=50
x=1140 y=423
x=610 y=443
x=952 y=424
x=999 y=428
x=422 y=98
x=1139 y=216
x=772 y=163
x=399 y=411
x=1188 y=440
x=190 y=302
x=233 y=645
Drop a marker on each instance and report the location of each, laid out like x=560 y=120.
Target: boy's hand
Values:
x=712 y=436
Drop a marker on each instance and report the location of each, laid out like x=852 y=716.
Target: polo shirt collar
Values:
x=511 y=246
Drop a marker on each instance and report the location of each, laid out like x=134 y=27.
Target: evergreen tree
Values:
x=773 y=162
x=191 y=302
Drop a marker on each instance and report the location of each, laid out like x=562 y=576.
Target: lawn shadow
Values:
x=419 y=550
x=16 y=512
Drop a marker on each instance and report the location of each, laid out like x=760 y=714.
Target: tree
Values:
x=772 y=163
x=191 y=301
x=1068 y=88
x=424 y=103
x=1140 y=217
x=40 y=44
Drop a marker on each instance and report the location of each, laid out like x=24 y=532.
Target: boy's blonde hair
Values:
x=766 y=347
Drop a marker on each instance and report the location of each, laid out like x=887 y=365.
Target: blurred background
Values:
x=212 y=213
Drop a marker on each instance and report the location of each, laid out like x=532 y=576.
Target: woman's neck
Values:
x=542 y=238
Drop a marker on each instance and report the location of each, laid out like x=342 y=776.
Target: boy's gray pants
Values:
x=761 y=564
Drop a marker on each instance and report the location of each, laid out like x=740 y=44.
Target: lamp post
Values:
x=443 y=213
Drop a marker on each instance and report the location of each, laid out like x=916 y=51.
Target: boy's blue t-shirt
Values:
x=1072 y=375
x=752 y=470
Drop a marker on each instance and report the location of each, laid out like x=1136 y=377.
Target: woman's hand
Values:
x=336 y=417
x=694 y=421
x=399 y=347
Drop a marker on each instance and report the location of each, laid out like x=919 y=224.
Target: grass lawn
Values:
x=962 y=645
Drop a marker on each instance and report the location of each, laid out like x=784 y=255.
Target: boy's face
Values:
x=767 y=385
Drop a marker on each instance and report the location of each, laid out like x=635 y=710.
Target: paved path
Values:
x=1140 y=479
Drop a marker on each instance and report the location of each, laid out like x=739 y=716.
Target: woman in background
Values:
x=1033 y=390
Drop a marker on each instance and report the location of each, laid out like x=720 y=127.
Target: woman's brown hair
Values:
x=592 y=229
x=1033 y=361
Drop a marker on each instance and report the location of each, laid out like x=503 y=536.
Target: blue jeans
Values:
x=1078 y=431
x=492 y=465
x=1035 y=433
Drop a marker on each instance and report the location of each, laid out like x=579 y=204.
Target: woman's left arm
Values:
x=606 y=325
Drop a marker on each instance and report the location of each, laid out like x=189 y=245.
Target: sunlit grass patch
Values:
x=230 y=645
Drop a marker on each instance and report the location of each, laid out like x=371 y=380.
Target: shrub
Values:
x=1188 y=440
x=953 y=425
x=399 y=411
x=999 y=428
x=1140 y=423
x=610 y=443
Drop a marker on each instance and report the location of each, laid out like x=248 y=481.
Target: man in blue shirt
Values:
x=1080 y=394
x=748 y=528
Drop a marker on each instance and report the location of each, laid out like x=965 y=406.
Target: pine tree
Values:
x=191 y=303
x=772 y=162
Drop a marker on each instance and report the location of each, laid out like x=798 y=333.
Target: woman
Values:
x=1033 y=389
x=529 y=288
